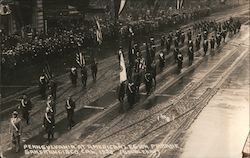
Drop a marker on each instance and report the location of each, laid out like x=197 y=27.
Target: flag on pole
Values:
x=123 y=73
x=179 y=4
x=98 y=32
x=47 y=72
x=122 y=4
x=80 y=59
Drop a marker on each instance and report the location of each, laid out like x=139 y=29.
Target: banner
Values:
x=80 y=59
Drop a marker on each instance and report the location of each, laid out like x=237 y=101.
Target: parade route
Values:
x=177 y=112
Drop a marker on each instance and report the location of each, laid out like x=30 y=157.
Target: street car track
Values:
x=197 y=104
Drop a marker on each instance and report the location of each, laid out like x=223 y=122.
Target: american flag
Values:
x=98 y=32
x=80 y=59
x=47 y=72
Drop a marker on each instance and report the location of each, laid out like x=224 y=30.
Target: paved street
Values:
x=207 y=103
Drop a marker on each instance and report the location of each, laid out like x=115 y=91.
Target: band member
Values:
x=52 y=88
x=205 y=47
x=15 y=130
x=180 y=61
x=50 y=103
x=70 y=107
x=94 y=69
x=131 y=93
x=161 y=60
x=190 y=55
x=176 y=42
x=49 y=123
x=84 y=76
x=73 y=76
x=25 y=107
x=148 y=82
x=42 y=86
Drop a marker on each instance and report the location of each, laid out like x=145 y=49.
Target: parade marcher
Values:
x=218 y=39
x=168 y=45
x=131 y=93
x=161 y=60
x=224 y=34
x=179 y=61
x=197 y=43
x=190 y=55
x=84 y=76
x=42 y=86
x=15 y=130
x=176 y=42
x=148 y=82
x=25 y=107
x=153 y=52
x=182 y=38
x=176 y=52
x=52 y=88
x=51 y=103
x=70 y=107
x=205 y=47
x=212 y=43
x=190 y=43
x=49 y=124
x=121 y=91
x=162 y=41
x=94 y=69
x=189 y=34
x=73 y=76
x=153 y=72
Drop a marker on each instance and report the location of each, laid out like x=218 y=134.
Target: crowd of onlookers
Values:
x=67 y=37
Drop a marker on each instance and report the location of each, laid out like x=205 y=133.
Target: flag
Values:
x=122 y=4
x=98 y=32
x=80 y=59
x=4 y=9
x=47 y=72
x=179 y=4
x=123 y=73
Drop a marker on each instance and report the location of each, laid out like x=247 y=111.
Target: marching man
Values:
x=49 y=123
x=25 y=107
x=70 y=107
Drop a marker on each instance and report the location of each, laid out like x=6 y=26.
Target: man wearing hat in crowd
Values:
x=190 y=55
x=70 y=107
x=49 y=123
x=25 y=107
x=73 y=76
x=148 y=82
x=15 y=130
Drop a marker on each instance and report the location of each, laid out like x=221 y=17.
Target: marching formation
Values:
x=139 y=66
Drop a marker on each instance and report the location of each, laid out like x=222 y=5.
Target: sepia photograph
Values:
x=124 y=79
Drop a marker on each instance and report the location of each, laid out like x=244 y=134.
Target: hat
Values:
x=15 y=113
